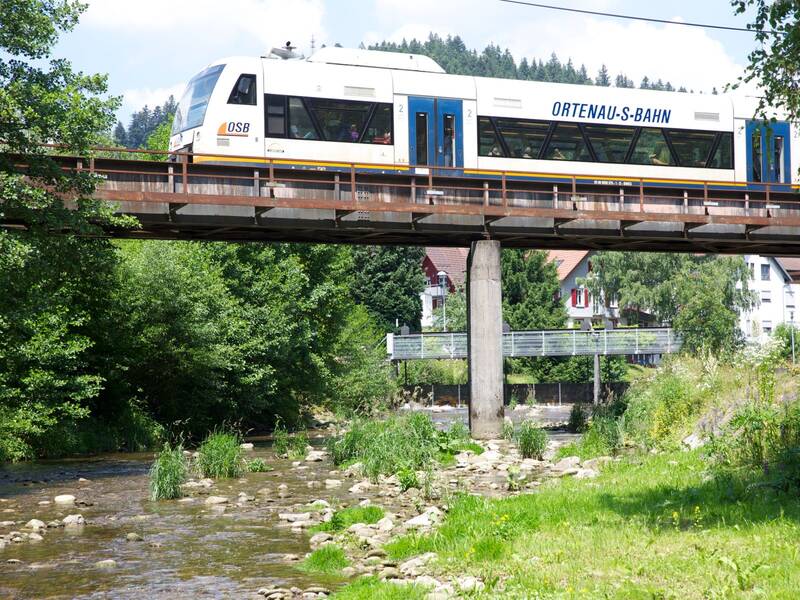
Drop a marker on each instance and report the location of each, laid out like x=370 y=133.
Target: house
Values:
x=450 y=261
x=777 y=294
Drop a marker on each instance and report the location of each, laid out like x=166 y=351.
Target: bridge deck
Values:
x=539 y=343
x=345 y=204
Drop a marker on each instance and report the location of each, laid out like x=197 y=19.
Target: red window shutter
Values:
x=586 y=297
x=574 y=297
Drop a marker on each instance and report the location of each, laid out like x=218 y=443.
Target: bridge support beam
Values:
x=485 y=340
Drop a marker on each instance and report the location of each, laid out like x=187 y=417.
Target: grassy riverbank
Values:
x=648 y=527
x=721 y=521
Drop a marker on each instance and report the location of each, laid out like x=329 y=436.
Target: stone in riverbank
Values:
x=214 y=500
x=73 y=521
x=106 y=564
x=35 y=524
x=64 y=499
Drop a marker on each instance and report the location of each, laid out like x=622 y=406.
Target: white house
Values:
x=450 y=261
x=776 y=297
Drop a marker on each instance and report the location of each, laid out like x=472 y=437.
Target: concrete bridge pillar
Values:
x=485 y=340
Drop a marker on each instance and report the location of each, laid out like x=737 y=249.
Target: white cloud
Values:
x=271 y=22
x=683 y=55
x=134 y=99
x=679 y=54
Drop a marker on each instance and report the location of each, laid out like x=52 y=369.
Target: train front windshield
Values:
x=192 y=107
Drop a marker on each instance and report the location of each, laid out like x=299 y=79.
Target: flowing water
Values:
x=188 y=550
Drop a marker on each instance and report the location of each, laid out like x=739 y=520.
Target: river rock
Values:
x=389 y=573
x=295 y=517
x=35 y=524
x=83 y=480
x=35 y=537
x=315 y=456
x=428 y=518
x=586 y=474
x=569 y=462
x=54 y=524
x=319 y=504
x=7 y=523
x=106 y=564
x=246 y=446
x=318 y=539
x=44 y=503
x=693 y=441
x=214 y=500
x=385 y=524
x=469 y=584
x=597 y=463
x=133 y=537
x=73 y=521
x=65 y=499
x=360 y=487
x=354 y=470
x=333 y=483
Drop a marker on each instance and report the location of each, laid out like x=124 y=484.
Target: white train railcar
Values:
x=401 y=112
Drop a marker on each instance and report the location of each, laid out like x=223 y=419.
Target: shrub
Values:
x=288 y=445
x=532 y=440
x=386 y=447
x=508 y=429
x=761 y=439
x=328 y=560
x=220 y=455
x=168 y=473
x=408 y=479
x=258 y=465
x=577 y=418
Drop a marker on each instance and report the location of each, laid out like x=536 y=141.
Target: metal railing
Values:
x=570 y=342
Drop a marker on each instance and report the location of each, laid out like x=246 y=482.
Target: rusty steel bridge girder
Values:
x=345 y=204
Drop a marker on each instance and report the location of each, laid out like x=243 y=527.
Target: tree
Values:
x=388 y=282
x=53 y=290
x=775 y=62
x=144 y=123
x=700 y=296
x=602 y=77
x=531 y=291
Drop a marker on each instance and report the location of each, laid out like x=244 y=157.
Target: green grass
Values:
x=342 y=519
x=371 y=588
x=220 y=455
x=652 y=526
x=258 y=465
x=532 y=440
x=168 y=473
x=407 y=442
x=289 y=445
x=328 y=560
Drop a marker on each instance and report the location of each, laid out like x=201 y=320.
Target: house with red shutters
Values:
x=445 y=271
x=573 y=266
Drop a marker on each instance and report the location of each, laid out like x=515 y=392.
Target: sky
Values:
x=150 y=48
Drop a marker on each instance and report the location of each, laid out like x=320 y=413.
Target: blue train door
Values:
x=435 y=132
x=768 y=152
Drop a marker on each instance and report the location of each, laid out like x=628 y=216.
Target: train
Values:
x=391 y=112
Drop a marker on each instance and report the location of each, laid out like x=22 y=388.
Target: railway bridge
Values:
x=189 y=197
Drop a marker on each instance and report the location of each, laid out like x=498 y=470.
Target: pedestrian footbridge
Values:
x=570 y=342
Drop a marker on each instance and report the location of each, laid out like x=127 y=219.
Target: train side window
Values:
x=692 y=147
x=244 y=92
x=610 y=144
x=723 y=156
x=756 y=145
x=341 y=120
x=652 y=149
x=488 y=145
x=276 y=115
x=567 y=143
x=379 y=130
x=301 y=127
x=524 y=139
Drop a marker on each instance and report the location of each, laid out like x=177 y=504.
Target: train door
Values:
x=768 y=152
x=435 y=133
